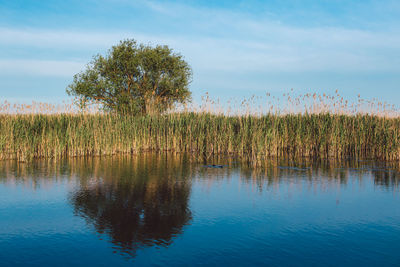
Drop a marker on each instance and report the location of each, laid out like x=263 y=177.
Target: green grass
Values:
x=24 y=137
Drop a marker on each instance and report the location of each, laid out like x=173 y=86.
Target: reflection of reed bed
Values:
x=256 y=137
x=37 y=174
x=85 y=170
x=323 y=171
x=174 y=169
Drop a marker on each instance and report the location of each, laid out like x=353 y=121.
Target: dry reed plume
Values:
x=307 y=125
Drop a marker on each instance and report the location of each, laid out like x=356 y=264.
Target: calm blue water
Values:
x=168 y=210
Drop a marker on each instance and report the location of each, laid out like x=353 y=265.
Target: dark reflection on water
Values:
x=190 y=212
x=136 y=202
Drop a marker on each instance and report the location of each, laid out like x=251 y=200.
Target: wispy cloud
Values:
x=226 y=47
x=56 y=39
x=56 y=68
x=283 y=49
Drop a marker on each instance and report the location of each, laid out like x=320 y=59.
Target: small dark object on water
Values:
x=214 y=166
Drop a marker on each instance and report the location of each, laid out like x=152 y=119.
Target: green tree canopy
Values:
x=134 y=78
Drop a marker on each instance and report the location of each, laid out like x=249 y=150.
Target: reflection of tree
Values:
x=136 y=202
x=143 y=200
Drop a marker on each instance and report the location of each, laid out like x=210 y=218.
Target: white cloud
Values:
x=40 y=67
x=57 y=38
x=247 y=45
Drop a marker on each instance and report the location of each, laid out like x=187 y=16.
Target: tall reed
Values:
x=27 y=136
x=309 y=125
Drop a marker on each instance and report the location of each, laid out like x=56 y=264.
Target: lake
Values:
x=163 y=209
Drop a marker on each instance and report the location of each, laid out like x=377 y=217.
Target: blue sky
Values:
x=236 y=48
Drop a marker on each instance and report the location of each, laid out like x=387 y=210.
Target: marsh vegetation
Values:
x=315 y=126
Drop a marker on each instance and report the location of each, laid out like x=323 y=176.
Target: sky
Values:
x=235 y=48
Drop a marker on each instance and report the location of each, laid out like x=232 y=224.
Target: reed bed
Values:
x=322 y=133
x=24 y=137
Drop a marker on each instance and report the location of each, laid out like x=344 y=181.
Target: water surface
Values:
x=172 y=210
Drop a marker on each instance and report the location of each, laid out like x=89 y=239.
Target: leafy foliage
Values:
x=134 y=78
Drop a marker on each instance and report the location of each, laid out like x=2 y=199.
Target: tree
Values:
x=134 y=78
